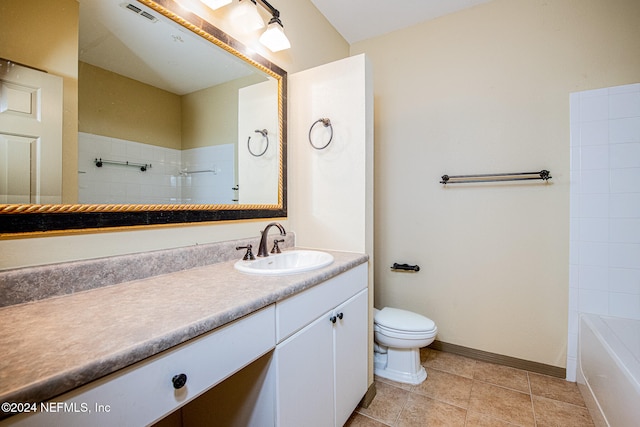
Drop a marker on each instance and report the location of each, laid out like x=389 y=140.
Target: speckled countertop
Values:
x=51 y=346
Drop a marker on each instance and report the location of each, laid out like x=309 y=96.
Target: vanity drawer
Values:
x=294 y=313
x=144 y=392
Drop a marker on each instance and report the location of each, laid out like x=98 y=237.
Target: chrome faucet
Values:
x=262 y=248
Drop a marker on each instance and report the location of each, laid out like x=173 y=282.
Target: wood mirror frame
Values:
x=33 y=218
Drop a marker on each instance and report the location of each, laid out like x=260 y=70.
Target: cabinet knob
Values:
x=340 y=316
x=179 y=381
x=333 y=319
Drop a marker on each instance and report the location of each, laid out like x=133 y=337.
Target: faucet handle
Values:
x=276 y=249
x=248 y=256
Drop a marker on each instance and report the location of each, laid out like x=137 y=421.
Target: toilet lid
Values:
x=395 y=318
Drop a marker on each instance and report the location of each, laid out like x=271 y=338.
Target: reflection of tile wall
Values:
x=605 y=207
x=162 y=183
x=122 y=184
x=214 y=179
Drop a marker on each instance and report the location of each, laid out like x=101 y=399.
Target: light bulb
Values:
x=274 y=37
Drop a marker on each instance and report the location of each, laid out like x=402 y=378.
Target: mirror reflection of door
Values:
x=30 y=136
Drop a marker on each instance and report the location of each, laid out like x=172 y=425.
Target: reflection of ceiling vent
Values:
x=140 y=12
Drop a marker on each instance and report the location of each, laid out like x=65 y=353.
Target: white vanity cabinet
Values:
x=144 y=392
x=321 y=356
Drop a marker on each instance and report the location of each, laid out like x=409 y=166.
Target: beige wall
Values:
x=50 y=43
x=120 y=107
x=480 y=91
x=314 y=42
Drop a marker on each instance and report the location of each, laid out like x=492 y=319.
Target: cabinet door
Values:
x=350 y=353
x=304 y=385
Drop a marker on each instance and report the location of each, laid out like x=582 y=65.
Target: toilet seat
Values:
x=395 y=320
x=395 y=333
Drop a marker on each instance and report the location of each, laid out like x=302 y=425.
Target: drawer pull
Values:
x=179 y=381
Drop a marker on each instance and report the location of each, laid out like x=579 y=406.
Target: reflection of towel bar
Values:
x=495 y=177
x=186 y=172
x=143 y=166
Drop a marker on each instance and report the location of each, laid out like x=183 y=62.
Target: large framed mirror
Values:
x=177 y=123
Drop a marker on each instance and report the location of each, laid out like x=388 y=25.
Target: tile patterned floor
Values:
x=468 y=393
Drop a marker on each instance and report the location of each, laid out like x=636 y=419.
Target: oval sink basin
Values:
x=288 y=262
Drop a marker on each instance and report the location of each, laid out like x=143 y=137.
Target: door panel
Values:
x=16 y=165
x=31 y=109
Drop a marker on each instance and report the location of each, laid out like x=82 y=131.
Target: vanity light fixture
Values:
x=248 y=19
x=246 y=16
x=274 y=37
x=216 y=4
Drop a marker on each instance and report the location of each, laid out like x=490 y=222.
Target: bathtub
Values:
x=608 y=372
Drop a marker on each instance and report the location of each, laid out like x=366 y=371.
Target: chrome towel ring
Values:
x=264 y=134
x=327 y=123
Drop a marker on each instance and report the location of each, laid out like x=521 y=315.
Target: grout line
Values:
x=533 y=407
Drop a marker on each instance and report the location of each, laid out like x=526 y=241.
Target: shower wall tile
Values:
x=594 y=157
x=594 y=206
x=594 y=230
x=625 y=104
x=594 y=108
x=595 y=181
x=604 y=275
x=625 y=230
x=625 y=180
x=594 y=133
x=590 y=301
x=624 y=255
x=624 y=305
x=624 y=130
x=624 y=280
x=574 y=117
x=594 y=278
x=624 y=89
x=625 y=155
x=626 y=205
x=594 y=254
x=593 y=92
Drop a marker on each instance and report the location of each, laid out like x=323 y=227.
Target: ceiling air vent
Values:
x=140 y=12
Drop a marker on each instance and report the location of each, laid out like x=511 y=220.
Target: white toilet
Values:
x=399 y=335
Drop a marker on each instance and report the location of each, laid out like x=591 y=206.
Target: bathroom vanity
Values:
x=134 y=352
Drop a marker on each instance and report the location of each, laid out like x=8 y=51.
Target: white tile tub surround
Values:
x=605 y=207
x=162 y=183
x=214 y=186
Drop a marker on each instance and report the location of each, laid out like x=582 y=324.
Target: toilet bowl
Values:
x=399 y=335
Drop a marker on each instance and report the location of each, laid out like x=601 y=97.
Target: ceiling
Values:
x=358 y=20
x=115 y=38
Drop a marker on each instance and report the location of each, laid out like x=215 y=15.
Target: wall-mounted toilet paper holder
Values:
x=405 y=267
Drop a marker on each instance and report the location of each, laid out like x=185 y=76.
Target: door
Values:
x=30 y=135
x=350 y=353
x=304 y=386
